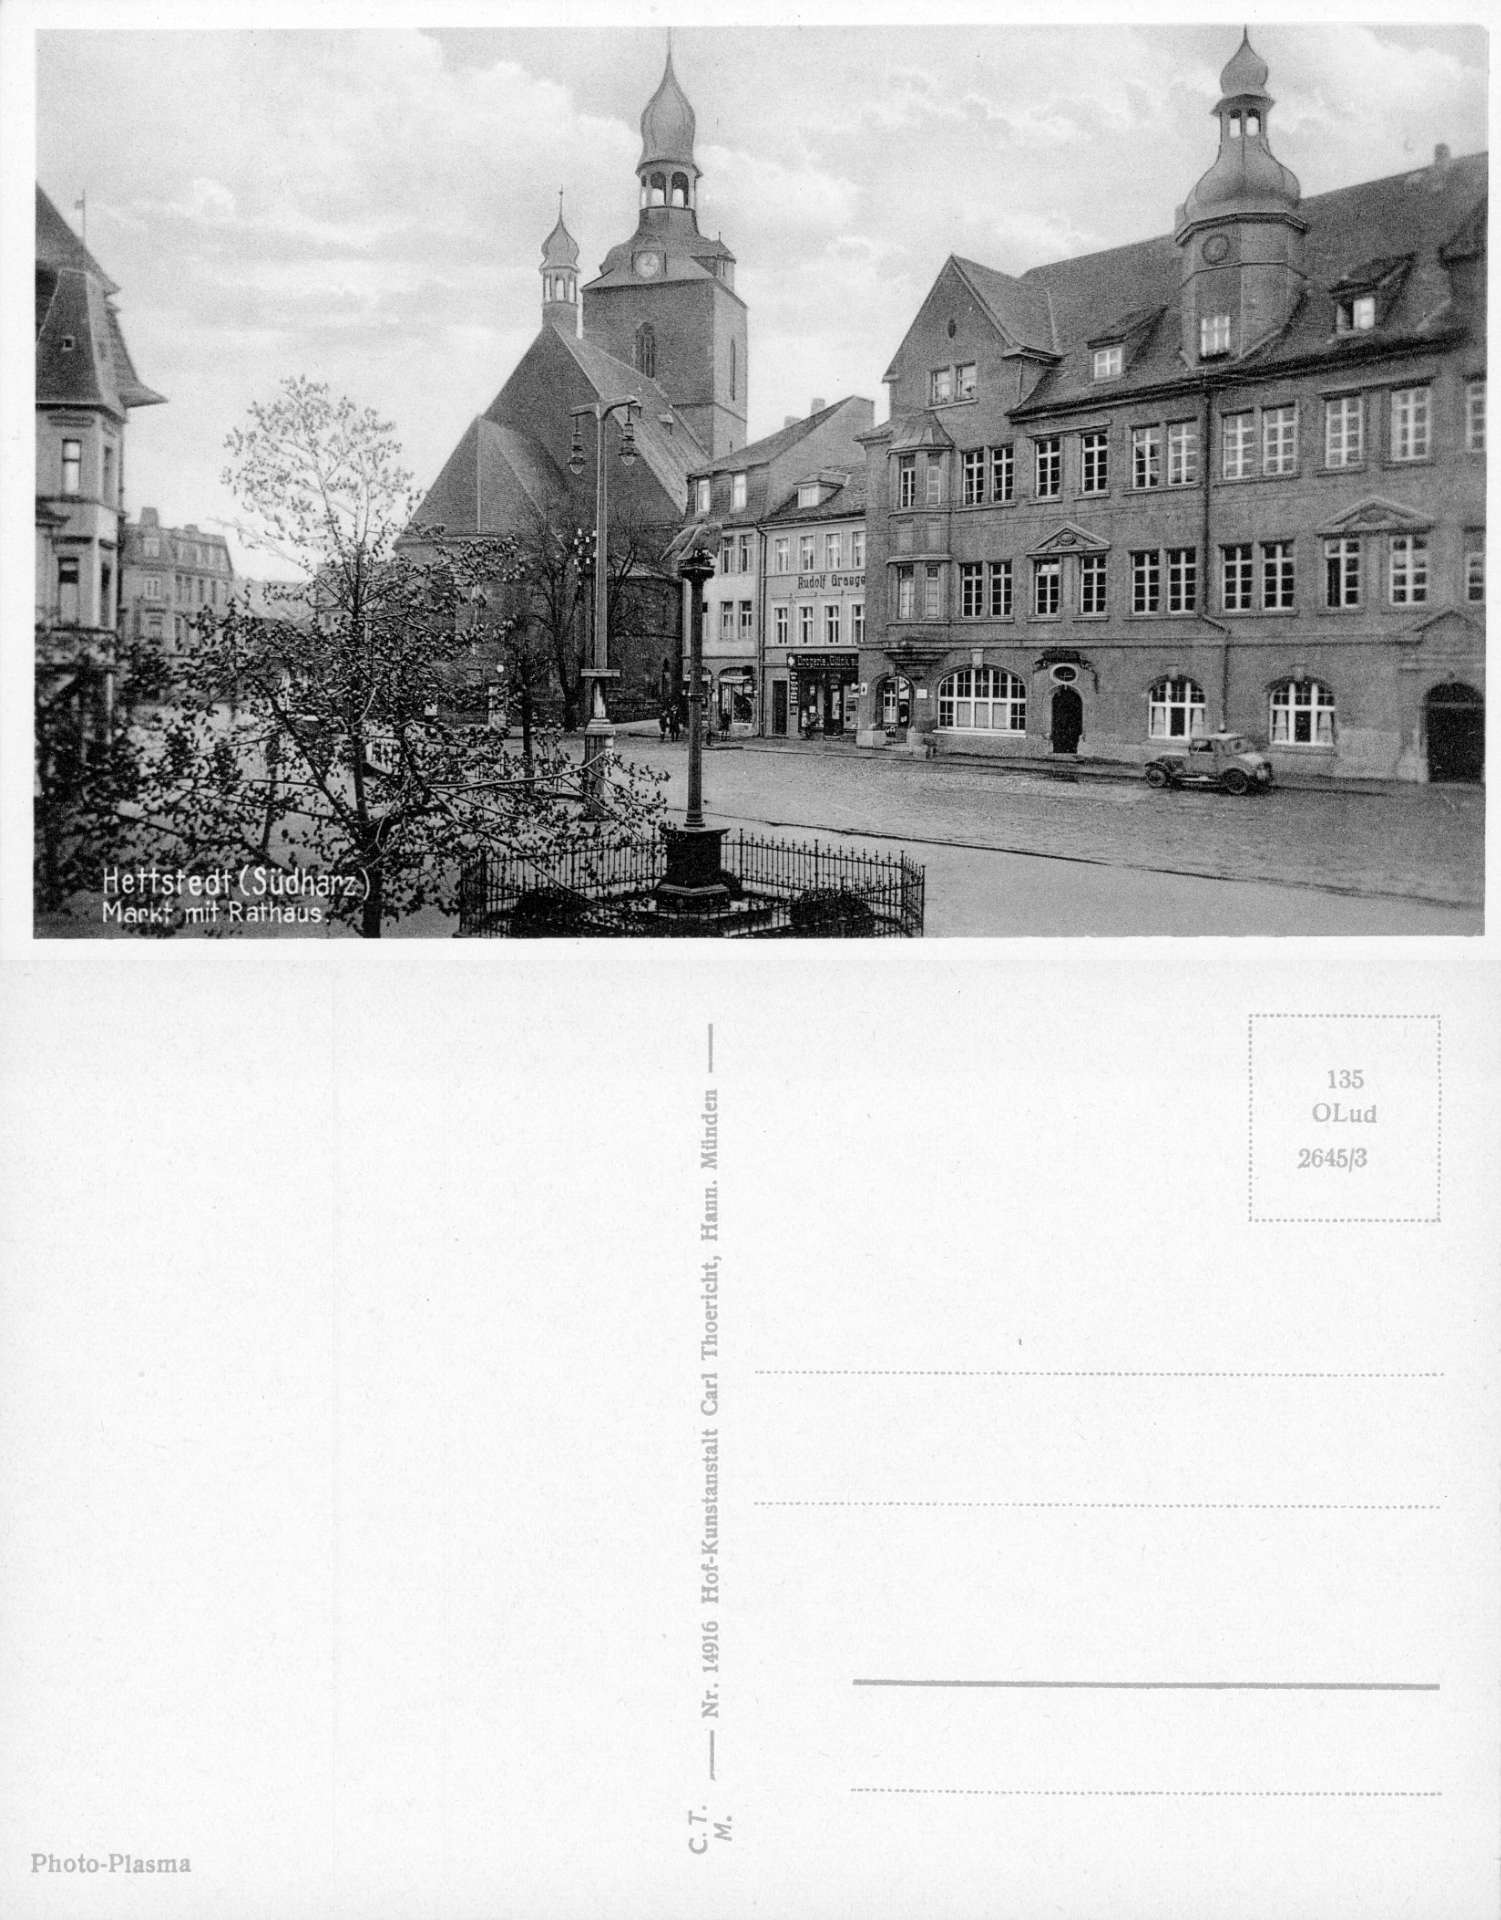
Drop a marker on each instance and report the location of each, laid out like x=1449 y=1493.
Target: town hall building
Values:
x=1232 y=477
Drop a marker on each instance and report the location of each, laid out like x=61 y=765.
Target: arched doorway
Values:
x=1068 y=720
x=894 y=706
x=1454 y=724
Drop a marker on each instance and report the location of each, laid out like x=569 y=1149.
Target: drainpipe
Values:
x=760 y=632
x=1206 y=532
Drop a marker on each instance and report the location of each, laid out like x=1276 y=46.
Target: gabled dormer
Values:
x=1239 y=232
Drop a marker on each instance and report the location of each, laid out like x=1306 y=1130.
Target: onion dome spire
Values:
x=667 y=124
x=560 y=276
x=1246 y=176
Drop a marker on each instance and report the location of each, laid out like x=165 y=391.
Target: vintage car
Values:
x=1227 y=760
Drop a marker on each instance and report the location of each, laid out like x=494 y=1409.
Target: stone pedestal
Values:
x=694 y=881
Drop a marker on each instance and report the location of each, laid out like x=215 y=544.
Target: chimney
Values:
x=148 y=517
x=790 y=421
x=817 y=406
x=1442 y=161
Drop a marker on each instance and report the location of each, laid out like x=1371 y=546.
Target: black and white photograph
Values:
x=760 y=482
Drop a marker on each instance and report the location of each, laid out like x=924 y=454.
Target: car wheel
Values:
x=1156 y=776
x=1237 y=781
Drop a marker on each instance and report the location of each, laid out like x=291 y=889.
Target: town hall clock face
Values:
x=648 y=265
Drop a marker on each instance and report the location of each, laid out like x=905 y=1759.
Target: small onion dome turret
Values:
x=560 y=249
x=1246 y=176
x=667 y=124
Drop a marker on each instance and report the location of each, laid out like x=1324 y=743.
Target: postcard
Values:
x=999 y=1420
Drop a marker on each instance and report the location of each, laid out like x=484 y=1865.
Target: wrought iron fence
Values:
x=774 y=889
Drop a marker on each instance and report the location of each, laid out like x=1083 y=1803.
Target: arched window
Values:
x=680 y=189
x=1176 y=710
x=646 y=351
x=658 y=195
x=1302 y=714
x=985 y=699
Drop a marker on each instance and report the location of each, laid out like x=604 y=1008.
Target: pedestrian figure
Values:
x=724 y=723
x=674 y=721
x=662 y=723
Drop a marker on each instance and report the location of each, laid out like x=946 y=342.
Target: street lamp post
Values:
x=599 y=735
x=694 y=880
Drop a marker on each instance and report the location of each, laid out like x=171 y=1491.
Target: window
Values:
x=1237 y=445
x=1047 y=579
x=1146 y=457
x=810 y=495
x=727 y=620
x=1277 y=576
x=1094 y=455
x=1214 y=335
x=934 y=490
x=906 y=480
x=1408 y=569
x=1146 y=581
x=971 y=590
x=747 y=620
x=964 y=381
x=805 y=553
x=1357 y=315
x=1279 y=440
x=737 y=491
x=1182 y=579
x=1344 y=431
x=152 y=587
x=833 y=552
x=984 y=698
x=1049 y=457
x=1003 y=472
x=1108 y=362
x=857 y=623
x=1091 y=583
x=67 y=590
x=1175 y=709
x=1475 y=565
x=743 y=553
x=151 y=547
x=1302 y=714
x=932 y=593
x=905 y=593
x=1235 y=578
x=72 y=465
x=1475 y=416
x=805 y=626
x=1410 y=423
x=1183 y=453
x=781 y=625
x=1341 y=573
x=857 y=548
x=646 y=350
x=702 y=496
x=973 y=477
x=831 y=624
x=1000 y=589
x=109 y=475
x=940 y=386
x=781 y=554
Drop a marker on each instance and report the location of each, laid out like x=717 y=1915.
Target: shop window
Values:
x=1301 y=714
x=983 y=699
x=1175 y=709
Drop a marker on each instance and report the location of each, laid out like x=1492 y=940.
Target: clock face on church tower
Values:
x=648 y=265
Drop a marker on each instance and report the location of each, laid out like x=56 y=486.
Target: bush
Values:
x=543 y=913
x=832 y=913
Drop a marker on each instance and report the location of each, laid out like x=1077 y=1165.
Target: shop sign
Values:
x=828 y=582
x=823 y=662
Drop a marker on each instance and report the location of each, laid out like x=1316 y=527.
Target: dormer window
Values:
x=737 y=492
x=810 y=494
x=1214 y=335
x=1109 y=362
x=701 y=496
x=1357 y=315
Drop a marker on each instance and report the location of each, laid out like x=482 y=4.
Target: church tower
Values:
x=560 y=278
x=664 y=301
x=1240 y=231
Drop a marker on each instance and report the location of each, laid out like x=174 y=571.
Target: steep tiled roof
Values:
x=81 y=356
x=770 y=447
x=58 y=246
x=844 y=501
x=670 y=454
x=1422 y=215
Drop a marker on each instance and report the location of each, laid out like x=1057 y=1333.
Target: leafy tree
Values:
x=330 y=740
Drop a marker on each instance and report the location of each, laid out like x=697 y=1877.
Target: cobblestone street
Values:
x=1026 y=853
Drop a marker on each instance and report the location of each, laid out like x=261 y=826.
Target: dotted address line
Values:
x=1213 y=1506
x=1072 y=1373
x=1172 y=1793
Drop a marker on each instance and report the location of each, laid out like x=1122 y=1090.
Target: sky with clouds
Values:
x=368 y=207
